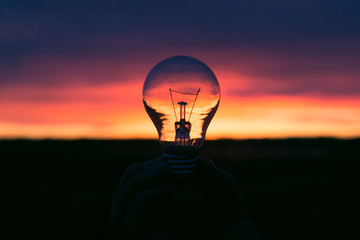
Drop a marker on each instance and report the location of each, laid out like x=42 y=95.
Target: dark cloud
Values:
x=301 y=36
x=316 y=86
x=69 y=25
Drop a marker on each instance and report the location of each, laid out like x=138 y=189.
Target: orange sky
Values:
x=115 y=110
x=71 y=69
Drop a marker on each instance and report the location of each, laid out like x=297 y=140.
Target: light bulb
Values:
x=181 y=95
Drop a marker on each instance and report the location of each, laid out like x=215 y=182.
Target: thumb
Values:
x=135 y=220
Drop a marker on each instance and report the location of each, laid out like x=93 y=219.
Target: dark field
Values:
x=292 y=189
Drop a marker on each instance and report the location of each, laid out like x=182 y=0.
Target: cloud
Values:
x=70 y=28
x=281 y=47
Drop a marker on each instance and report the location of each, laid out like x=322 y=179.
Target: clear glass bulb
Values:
x=181 y=95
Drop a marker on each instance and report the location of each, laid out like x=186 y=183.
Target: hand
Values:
x=230 y=220
x=222 y=191
x=143 y=186
x=151 y=187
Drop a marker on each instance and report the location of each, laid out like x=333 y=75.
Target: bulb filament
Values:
x=183 y=127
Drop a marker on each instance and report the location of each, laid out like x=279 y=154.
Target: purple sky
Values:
x=50 y=50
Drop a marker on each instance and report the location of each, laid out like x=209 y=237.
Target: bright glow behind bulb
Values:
x=181 y=95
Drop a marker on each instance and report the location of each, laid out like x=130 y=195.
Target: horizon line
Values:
x=154 y=139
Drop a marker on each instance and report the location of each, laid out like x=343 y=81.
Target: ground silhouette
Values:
x=292 y=188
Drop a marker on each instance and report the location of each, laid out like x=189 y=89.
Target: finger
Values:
x=222 y=190
x=149 y=178
x=208 y=172
x=135 y=219
x=214 y=182
x=206 y=167
x=131 y=170
x=143 y=180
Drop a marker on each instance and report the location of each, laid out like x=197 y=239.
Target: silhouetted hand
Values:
x=151 y=187
x=230 y=219
x=143 y=186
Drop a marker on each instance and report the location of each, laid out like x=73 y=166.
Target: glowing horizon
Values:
x=74 y=70
x=101 y=113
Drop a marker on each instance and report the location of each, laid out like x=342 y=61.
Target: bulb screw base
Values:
x=182 y=159
x=182 y=165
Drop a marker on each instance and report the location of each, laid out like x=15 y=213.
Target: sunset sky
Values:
x=75 y=69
